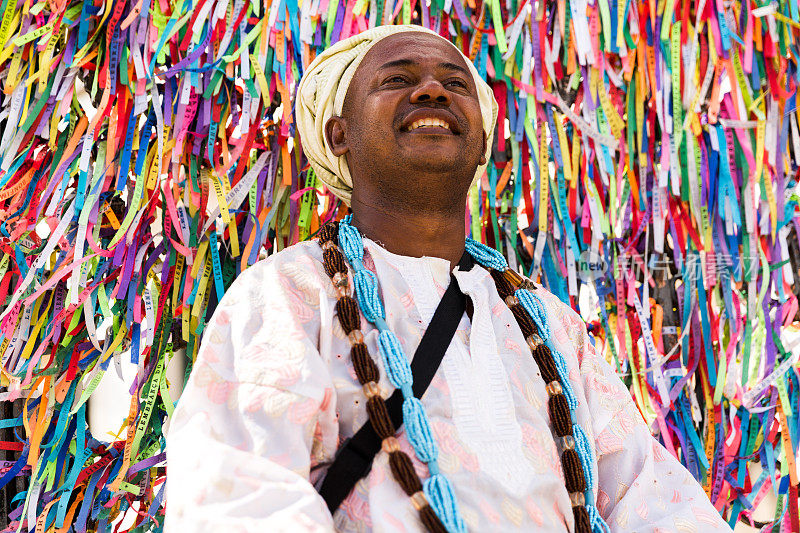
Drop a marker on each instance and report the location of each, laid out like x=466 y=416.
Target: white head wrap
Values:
x=321 y=93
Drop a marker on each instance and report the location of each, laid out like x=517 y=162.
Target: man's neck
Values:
x=416 y=234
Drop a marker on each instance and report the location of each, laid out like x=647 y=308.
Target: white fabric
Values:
x=273 y=394
x=323 y=87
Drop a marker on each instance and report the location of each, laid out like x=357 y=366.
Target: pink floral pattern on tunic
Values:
x=273 y=394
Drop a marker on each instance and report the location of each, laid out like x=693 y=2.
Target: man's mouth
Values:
x=429 y=123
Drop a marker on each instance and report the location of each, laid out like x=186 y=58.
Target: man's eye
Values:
x=458 y=83
x=395 y=79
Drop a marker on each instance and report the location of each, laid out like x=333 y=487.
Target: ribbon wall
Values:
x=645 y=149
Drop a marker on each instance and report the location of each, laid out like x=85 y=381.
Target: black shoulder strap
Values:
x=354 y=459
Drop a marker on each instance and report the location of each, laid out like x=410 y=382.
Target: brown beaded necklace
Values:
x=560 y=419
x=507 y=282
x=368 y=376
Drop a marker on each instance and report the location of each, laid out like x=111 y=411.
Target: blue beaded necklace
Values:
x=437 y=488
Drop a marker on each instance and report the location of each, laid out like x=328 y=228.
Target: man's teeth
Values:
x=433 y=122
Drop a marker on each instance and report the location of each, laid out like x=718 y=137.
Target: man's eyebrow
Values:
x=408 y=62
x=396 y=63
x=453 y=66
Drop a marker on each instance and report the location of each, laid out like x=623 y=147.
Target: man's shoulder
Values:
x=304 y=252
x=562 y=316
x=554 y=305
x=550 y=301
x=298 y=266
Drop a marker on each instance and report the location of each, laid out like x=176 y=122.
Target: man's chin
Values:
x=430 y=153
x=435 y=163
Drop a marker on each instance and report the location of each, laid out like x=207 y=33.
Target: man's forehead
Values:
x=410 y=47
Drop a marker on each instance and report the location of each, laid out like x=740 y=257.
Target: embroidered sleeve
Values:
x=257 y=413
x=641 y=486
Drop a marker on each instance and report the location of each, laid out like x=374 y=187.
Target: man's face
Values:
x=412 y=105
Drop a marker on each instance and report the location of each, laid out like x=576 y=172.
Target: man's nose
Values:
x=430 y=90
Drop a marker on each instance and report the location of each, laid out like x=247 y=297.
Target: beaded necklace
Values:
x=434 y=498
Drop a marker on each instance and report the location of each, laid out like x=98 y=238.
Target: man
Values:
x=398 y=123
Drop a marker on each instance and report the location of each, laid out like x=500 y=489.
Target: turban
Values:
x=321 y=92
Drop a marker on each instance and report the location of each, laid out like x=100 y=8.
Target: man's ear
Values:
x=483 y=150
x=334 y=135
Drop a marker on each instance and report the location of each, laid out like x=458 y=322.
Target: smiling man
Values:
x=392 y=375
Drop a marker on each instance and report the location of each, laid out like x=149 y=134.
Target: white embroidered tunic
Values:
x=273 y=394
